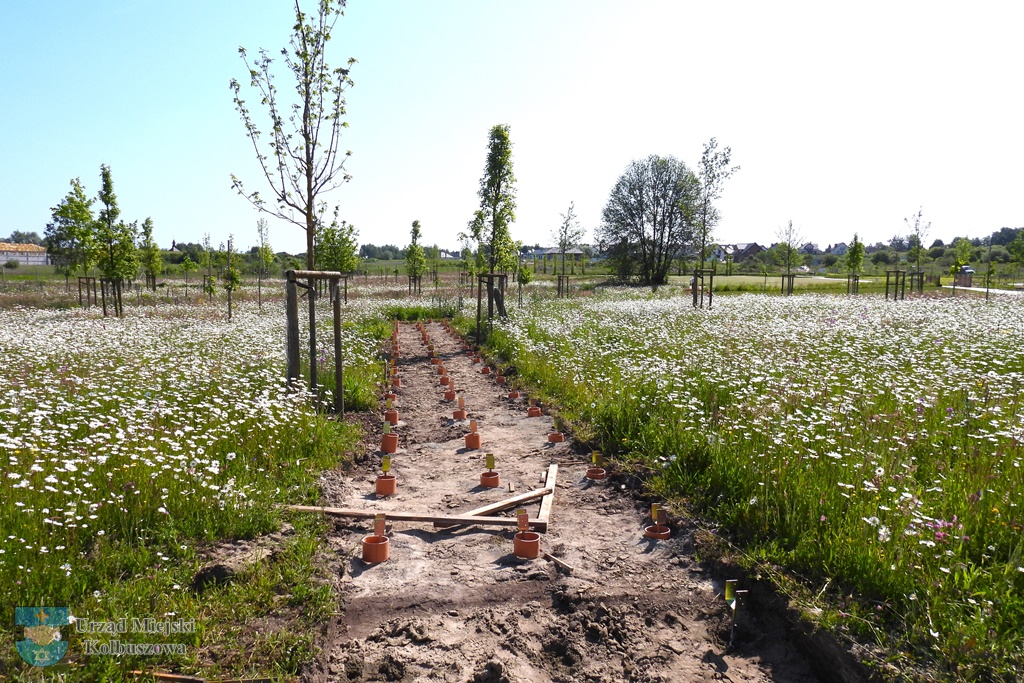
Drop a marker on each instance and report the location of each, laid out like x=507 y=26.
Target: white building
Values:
x=24 y=254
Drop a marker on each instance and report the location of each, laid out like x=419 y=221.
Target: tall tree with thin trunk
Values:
x=149 y=254
x=855 y=256
x=301 y=160
x=490 y=224
x=789 y=247
x=712 y=173
x=117 y=257
x=415 y=259
x=264 y=258
x=568 y=234
x=916 y=237
x=231 y=277
x=70 y=233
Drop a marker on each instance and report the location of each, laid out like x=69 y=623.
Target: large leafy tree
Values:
x=69 y=235
x=25 y=237
x=149 y=254
x=490 y=224
x=118 y=258
x=712 y=173
x=301 y=157
x=1016 y=249
x=415 y=259
x=568 y=234
x=648 y=219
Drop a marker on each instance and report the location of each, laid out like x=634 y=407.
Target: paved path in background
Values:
x=1010 y=292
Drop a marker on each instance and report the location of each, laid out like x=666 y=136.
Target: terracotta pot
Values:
x=389 y=443
x=387 y=485
x=513 y=394
x=473 y=440
x=596 y=473
x=445 y=380
x=657 y=531
x=396 y=381
x=490 y=479
x=435 y=361
x=477 y=359
x=376 y=549
x=500 y=379
x=485 y=370
x=534 y=411
x=449 y=395
x=556 y=437
x=526 y=544
x=459 y=414
x=391 y=416
x=441 y=370
x=390 y=396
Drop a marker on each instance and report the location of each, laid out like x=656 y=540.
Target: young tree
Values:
x=69 y=235
x=302 y=160
x=118 y=259
x=568 y=234
x=962 y=248
x=206 y=262
x=855 y=256
x=917 y=235
x=648 y=219
x=490 y=224
x=264 y=258
x=230 y=276
x=336 y=247
x=1016 y=250
x=187 y=266
x=789 y=247
x=415 y=260
x=712 y=173
x=149 y=254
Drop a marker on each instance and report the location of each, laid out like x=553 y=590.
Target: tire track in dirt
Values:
x=457 y=605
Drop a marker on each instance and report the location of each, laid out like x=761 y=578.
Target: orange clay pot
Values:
x=445 y=380
x=473 y=440
x=389 y=443
x=556 y=437
x=658 y=532
x=441 y=370
x=390 y=396
x=386 y=485
x=396 y=381
x=596 y=473
x=513 y=394
x=376 y=549
x=526 y=544
x=500 y=379
x=449 y=395
x=533 y=411
x=490 y=479
x=435 y=361
x=459 y=414
x=391 y=416
x=485 y=370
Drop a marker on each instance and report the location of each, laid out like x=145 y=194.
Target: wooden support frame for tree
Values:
x=495 y=300
x=700 y=287
x=788 y=279
x=441 y=520
x=115 y=296
x=898 y=280
x=292 y=285
x=87 y=285
x=916 y=281
x=415 y=284
x=563 y=286
x=852 y=283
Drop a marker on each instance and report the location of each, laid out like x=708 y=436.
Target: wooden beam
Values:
x=417 y=517
x=504 y=504
x=549 y=500
x=561 y=564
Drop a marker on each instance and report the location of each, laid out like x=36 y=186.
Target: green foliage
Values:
x=264 y=254
x=300 y=162
x=336 y=247
x=648 y=220
x=415 y=260
x=118 y=258
x=12 y=264
x=490 y=224
x=230 y=276
x=1016 y=249
x=525 y=275
x=70 y=233
x=25 y=237
x=149 y=252
x=787 y=250
x=568 y=234
x=712 y=172
x=918 y=234
x=855 y=256
x=962 y=254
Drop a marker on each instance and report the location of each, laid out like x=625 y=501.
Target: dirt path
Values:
x=458 y=605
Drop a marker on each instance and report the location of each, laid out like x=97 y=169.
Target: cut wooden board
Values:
x=549 y=500
x=503 y=504
x=417 y=517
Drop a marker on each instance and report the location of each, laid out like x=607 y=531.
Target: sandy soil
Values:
x=458 y=605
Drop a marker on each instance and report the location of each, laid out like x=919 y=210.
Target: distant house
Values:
x=840 y=249
x=24 y=254
x=739 y=252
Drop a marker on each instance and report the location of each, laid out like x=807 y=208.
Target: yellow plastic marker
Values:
x=489 y=459
x=597 y=458
x=654 y=512
x=378 y=524
x=385 y=464
x=387 y=427
x=730 y=594
x=388 y=404
x=523 y=519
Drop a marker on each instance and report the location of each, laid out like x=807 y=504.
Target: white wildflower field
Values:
x=873 y=445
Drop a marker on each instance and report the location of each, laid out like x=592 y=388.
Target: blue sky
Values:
x=843 y=117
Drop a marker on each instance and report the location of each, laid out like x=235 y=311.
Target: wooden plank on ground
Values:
x=503 y=504
x=549 y=500
x=416 y=516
